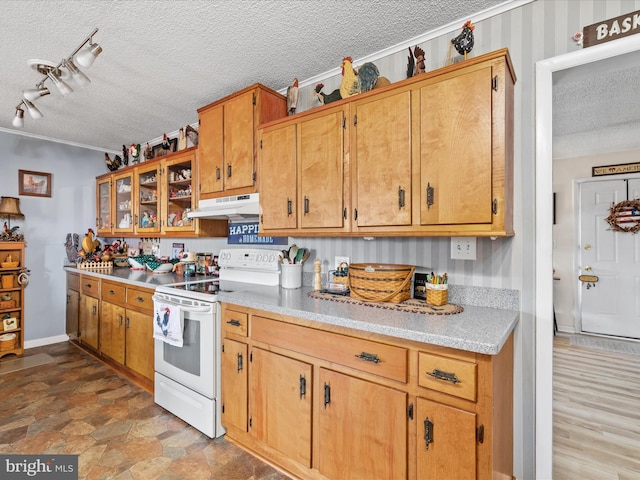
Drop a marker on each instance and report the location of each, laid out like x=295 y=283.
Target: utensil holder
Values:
x=291 y=275
x=437 y=294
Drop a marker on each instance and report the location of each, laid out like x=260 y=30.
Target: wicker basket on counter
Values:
x=380 y=282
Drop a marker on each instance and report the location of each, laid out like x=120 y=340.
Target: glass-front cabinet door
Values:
x=147 y=216
x=178 y=193
x=123 y=202
x=103 y=202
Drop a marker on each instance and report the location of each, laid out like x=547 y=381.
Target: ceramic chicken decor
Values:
x=292 y=97
x=350 y=84
x=463 y=43
x=325 y=98
x=415 y=62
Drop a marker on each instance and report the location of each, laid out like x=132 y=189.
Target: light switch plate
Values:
x=463 y=248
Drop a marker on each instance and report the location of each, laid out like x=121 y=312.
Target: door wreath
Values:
x=625 y=216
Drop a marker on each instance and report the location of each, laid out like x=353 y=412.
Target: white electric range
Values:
x=187 y=378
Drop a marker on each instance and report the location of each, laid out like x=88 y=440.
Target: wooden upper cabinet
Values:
x=104 y=205
x=210 y=151
x=278 y=165
x=431 y=155
x=227 y=140
x=322 y=171
x=456 y=156
x=381 y=159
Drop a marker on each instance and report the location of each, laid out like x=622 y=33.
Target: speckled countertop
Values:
x=477 y=329
x=480 y=329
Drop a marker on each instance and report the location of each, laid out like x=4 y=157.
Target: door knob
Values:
x=587 y=247
x=588 y=268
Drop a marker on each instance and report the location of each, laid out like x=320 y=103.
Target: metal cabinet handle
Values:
x=289 y=207
x=401 y=202
x=369 y=357
x=139 y=299
x=239 y=364
x=112 y=292
x=446 y=376
x=229 y=171
x=217 y=173
x=235 y=323
x=303 y=386
x=327 y=395
x=306 y=204
x=95 y=310
x=430 y=193
x=428 y=432
x=119 y=320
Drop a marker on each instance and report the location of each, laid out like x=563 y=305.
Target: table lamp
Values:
x=10 y=208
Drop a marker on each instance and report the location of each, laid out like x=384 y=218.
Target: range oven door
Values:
x=193 y=364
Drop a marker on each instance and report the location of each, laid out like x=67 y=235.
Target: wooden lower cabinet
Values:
x=363 y=429
x=280 y=404
x=89 y=321
x=441 y=431
x=325 y=402
x=115 y=321
x=234 y=386
x=73 y=305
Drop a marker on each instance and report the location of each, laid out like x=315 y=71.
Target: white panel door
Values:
x=611 y=306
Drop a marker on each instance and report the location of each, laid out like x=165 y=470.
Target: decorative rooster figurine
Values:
x=326 y=98
x=350 y=84
x=463 y=43
x=292 y=97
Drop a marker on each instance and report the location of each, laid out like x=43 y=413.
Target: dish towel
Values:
x=168 y=323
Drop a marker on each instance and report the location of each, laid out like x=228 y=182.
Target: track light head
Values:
x=18 y=120
x=80 y=78
x=62 y=86
x=32 y=94
x=86 y=57
x=32 y=109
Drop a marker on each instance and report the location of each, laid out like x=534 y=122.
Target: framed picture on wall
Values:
x=36 y=184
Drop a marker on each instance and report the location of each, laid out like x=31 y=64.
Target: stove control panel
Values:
x=249 y=259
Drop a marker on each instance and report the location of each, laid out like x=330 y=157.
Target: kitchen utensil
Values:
x=293 y=251
x=305 y=255
x=299 y=256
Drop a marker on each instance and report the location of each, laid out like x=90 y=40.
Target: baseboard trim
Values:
x=45 y=341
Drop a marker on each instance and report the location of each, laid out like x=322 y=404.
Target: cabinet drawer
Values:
x=447 y=375
x=365 y=355
x=90 y=286
x=73 y=281
x=139 y=299
x=113 y=292
x=235 y=322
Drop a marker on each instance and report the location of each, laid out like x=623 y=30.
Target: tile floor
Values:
x=77 y=405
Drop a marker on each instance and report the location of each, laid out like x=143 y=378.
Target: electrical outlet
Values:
x=463 y=248
x=339 y=260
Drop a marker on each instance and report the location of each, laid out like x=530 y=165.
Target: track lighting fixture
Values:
x=58 y=74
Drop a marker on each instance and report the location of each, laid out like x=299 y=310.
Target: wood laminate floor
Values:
x=596 y=413
x=77 y=405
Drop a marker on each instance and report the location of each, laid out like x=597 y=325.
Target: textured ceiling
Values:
x=596 y=107
x=163 y=60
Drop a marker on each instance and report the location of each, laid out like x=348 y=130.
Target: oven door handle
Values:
x=183 y=307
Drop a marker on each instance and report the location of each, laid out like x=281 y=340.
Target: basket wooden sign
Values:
x=380 y=282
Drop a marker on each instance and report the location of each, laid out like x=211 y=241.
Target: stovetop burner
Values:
x=210 y=287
